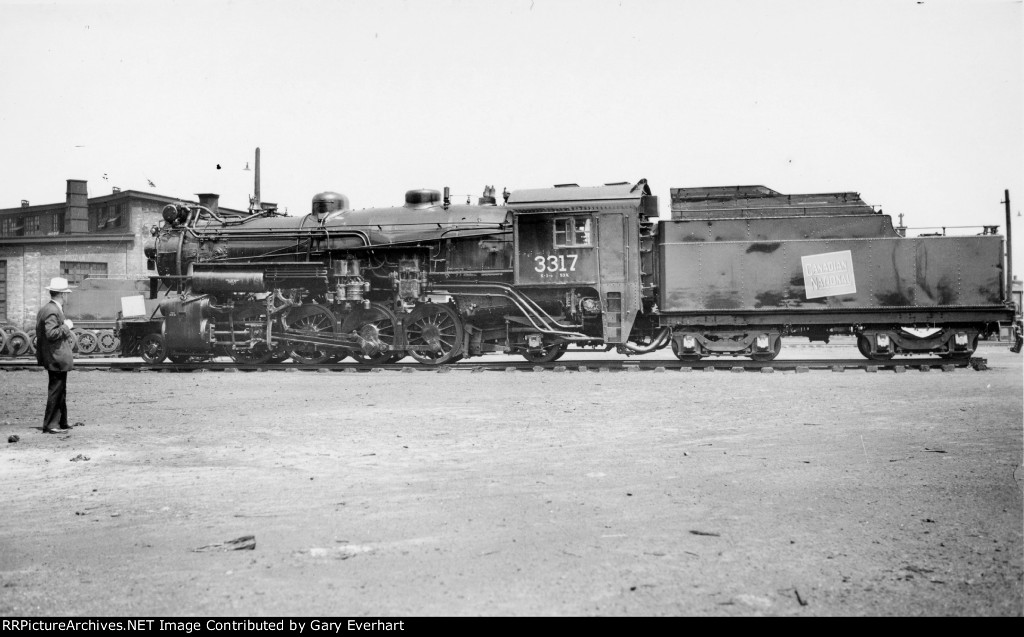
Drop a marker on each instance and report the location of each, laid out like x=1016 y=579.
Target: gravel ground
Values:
x=516 y=493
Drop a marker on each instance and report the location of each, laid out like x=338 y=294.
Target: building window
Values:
x=3 y=290
x=109 y=216
x=573 y=232
x=32 y=224
x=77 y=271
x=57 y=223
x=16 y=227
x=5 y=227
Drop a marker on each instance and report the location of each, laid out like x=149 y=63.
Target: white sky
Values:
x=916 y=105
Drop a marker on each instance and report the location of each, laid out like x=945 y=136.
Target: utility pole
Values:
x=1009 y=246
x=258 y=204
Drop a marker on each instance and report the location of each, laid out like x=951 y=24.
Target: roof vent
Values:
x=24 y=203
x=422 y=198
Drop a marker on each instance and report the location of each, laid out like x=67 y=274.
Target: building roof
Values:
x=102 y=199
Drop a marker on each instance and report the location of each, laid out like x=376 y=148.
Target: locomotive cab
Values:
x=580 y=245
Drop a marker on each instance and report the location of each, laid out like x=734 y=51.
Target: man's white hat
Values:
x=59 y=284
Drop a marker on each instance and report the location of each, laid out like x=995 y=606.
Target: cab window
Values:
x=573 y=232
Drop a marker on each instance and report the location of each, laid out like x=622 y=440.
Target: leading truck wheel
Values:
x=153 y=349
x=435 y=334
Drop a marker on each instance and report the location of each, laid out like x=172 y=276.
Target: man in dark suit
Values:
x=53 y=351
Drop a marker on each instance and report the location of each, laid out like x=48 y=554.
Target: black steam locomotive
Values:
x=729 y=274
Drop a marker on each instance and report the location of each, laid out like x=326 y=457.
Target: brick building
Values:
x=78 y=238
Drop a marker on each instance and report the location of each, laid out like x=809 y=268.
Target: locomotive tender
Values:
x=729 y=274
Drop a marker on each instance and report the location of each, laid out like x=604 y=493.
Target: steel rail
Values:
x=612 y=365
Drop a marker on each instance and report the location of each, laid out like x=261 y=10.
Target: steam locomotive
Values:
x=729 y=274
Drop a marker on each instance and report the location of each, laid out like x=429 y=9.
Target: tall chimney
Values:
x=76 y=209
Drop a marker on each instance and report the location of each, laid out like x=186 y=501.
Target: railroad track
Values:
x=616 y=365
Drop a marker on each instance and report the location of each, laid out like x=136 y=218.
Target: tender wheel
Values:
x=315 y=320
x=769 y=355
x=962 y=355
x=685 y=356
x=88 y=343
x=375 y=323
x=864 y=346
x=153 y=349
x=548 y=354
x=437 y=331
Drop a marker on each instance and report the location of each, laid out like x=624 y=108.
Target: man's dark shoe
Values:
x=47 y=430
x=65 y=426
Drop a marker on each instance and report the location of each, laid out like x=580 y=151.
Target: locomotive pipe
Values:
x=660 y=341
x=570 y=336
x=508 y=290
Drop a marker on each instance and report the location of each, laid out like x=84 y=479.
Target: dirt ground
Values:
x=516 y=493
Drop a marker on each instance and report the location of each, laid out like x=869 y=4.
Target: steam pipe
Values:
x=657 y=343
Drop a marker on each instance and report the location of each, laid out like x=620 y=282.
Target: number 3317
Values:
x=555 y=263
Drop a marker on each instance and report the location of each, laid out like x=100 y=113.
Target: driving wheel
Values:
x=315 y=320
x=374 y=324
x=435 y=334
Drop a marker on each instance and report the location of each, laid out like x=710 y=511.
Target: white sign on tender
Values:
x=829 y=274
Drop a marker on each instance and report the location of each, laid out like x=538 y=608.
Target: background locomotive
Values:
x=730 y=273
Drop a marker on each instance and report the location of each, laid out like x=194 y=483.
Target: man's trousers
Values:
x=56 y=401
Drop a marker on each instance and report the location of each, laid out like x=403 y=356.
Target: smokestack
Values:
x=209 y=200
